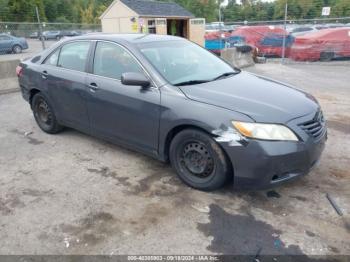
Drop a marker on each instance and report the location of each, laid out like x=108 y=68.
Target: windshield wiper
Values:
x=224 y=75
x=196 y=82
x=191 y=82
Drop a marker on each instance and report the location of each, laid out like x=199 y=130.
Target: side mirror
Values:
x=135 y=79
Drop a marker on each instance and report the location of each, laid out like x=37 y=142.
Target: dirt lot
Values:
x=74 y=194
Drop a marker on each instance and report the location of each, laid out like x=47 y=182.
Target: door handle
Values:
x=93 y=87
x=44 y=74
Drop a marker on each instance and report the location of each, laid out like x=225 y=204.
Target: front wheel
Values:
x=44 y=114
x=199 y=161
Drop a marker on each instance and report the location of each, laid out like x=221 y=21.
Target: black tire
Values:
x=199 y=161
x=326 y=56
x=17 y=49
x=44 y=114
x=58 y=38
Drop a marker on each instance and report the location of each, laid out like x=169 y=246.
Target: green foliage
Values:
x=256 y=10
x=88 y=11
x=62 y=11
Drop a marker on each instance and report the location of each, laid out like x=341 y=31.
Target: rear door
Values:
x=125 y=114
x=64 y=74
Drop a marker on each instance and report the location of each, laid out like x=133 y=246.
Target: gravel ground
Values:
x=74 y=194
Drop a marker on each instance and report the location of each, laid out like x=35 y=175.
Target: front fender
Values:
x=178 y=112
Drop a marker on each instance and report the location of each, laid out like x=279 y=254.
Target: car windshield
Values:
x=185 y=63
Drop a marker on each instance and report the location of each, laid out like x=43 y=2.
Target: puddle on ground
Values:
x=160 y=181
x=91 y=230
x=106 y=172
x=12 y=201
x=243 y=234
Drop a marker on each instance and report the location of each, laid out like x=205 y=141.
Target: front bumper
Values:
x=261 y=164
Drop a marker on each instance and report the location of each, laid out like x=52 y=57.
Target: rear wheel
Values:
x=199 y=161
x=44 y=114
x=326 y=56
x=17 y=49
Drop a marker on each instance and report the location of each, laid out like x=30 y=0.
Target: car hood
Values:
x=263 y=99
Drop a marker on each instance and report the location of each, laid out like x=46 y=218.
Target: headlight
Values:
x=265 y=131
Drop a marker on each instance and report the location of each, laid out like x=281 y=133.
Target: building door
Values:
x=197 y=30
x=177 y=27
x=161 y=26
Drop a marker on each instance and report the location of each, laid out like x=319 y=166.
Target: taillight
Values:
x=19 y=71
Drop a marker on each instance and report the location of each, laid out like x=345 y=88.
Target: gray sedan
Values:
x=12 y=44
x=175 y=101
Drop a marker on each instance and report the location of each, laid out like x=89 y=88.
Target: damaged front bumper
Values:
x=259 y=164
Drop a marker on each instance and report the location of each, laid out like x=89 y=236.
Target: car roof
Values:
x=131 y=38
x=324 y=32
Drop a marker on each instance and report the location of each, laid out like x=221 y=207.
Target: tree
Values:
x=209 y=9
x=88 y=11
x=24 y=10
x=4 y=10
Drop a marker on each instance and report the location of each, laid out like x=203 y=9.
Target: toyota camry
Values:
x=173 y=100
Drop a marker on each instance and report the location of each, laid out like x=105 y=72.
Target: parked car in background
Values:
x=51 y=35
x=216 y=41
x=173 y=100
x=12 y=44
x=68 y=34
x=268 y=39
x=57 y=35
x=302 y=30
x=217 y=26
x=213 y=27
x=336 y=25
x=323 y=45
x=34 y=35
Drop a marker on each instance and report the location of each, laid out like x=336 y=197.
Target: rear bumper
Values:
x=265 y=164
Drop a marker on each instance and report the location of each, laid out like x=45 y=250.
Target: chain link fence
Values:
x=290 y=41
x=33 y=37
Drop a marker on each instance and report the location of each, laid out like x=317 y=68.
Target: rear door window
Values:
x=112 y=61
x=53 y=58
x=74 y=56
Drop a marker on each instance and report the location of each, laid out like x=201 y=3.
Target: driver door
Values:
x=125 y=114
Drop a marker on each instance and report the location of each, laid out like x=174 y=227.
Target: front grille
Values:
x=315 y=127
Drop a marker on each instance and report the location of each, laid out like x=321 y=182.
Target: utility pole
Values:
x=220 y=21
x=284 y=36
x=40 y=28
